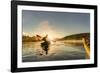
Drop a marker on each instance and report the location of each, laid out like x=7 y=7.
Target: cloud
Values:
x=45 y=28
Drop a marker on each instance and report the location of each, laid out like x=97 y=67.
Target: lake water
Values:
x=32 y=52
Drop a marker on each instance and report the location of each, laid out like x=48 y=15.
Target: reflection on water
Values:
x=32 y=51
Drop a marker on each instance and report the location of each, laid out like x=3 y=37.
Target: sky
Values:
x=57 y=24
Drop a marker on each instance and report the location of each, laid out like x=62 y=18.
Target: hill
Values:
x=76 y=36
x=31 y=39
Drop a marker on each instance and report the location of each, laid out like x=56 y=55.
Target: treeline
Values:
x=70 y=37
x=76 y=36
x=31 y=39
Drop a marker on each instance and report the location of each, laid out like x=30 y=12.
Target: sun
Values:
x=50 y=37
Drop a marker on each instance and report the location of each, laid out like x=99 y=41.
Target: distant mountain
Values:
x=76 y=36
